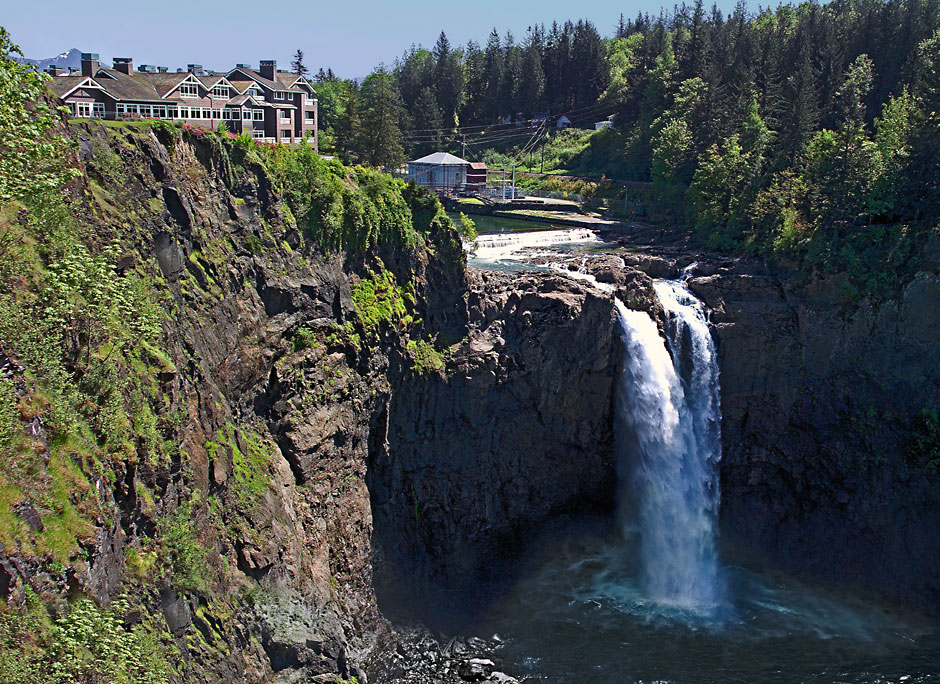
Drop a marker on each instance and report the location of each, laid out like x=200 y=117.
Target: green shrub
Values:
x=304 y=338
x=379 y=302
x=86 y=644
x=182 y=553
x=425 y=359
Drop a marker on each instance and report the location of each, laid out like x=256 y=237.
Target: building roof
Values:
x=60 y=85
x=136 y=85
x=478 y=166
x=441 y=159
x=281 y=81
x=158 y=87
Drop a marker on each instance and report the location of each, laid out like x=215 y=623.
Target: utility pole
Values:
x=542 y=163
x=514 y=181
x=463 y=149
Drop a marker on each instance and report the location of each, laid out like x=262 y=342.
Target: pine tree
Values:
x=533 y=78
x=511 y=82
x=427 y=123
x=379 y=140
x=802 y=105
x=493 y=69
x=297 y=64
x=448 y=80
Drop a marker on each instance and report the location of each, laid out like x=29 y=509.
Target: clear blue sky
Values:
x=351 y=36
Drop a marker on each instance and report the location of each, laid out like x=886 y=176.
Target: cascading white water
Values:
x=496 y=246
x=669 y=439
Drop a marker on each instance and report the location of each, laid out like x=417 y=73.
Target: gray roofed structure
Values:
x=441 y=159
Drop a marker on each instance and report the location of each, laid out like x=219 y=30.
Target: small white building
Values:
x=439 y=171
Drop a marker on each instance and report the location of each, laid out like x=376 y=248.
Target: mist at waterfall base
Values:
x=646 y=599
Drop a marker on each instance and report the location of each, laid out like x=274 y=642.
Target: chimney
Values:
x=90 y=63
x=123 y=64
x=161 y=69
x=242 y=66
x=145 y=69
x=268 y=69
x=194 y=68
x=54 y=70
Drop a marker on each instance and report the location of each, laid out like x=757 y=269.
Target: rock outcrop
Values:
x=515 y=431
x=818 y=400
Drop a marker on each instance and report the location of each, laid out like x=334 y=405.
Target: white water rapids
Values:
x=496 y=247
x=669 y=443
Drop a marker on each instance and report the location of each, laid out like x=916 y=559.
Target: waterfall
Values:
x=668 y=436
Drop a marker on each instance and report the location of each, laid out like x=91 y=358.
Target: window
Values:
x=308 y=97
x=310 y=117
x=278 y=95
x=257 y=133
x=257 y=115
x=189 y=90
x=227 y=114
x=159 y=112
x=255 y=91
x=285 y=134
x=206 y=113
x=83 y=109
x=216 y=113
x=145 y=111
x=236 y=114
x=221 y=92
x=183 y=112
x=285 y=115
x=121 y=109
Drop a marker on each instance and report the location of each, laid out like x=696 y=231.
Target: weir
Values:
x=669 y=443
x=497 y=246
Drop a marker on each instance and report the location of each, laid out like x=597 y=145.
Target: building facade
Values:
x=269 y=104
x=440 y=171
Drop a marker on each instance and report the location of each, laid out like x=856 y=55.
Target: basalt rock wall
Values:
x=820 y=400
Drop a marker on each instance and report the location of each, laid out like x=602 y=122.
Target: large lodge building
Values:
x=271 y=105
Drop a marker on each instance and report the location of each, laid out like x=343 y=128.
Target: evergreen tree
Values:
x=511 y=82
x=448 y=80
x=297 y=63
x=347 y=125
x=802 y=105
x=493 y=69
x=533 y=78
x=379 y=140
x=427 y=123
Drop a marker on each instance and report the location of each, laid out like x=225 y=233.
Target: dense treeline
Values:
x=808 y=130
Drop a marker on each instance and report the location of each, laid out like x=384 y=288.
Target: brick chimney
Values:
x=54 y=70
x=194 y=68
x=268 y=69
x=124 y=64
x=90 y=63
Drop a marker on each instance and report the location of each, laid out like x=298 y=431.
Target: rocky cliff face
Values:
x=336 y=413
x=515 y=431
x=819 y=396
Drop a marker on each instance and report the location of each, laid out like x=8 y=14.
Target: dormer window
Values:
x=221 y=92
x=189 y=90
